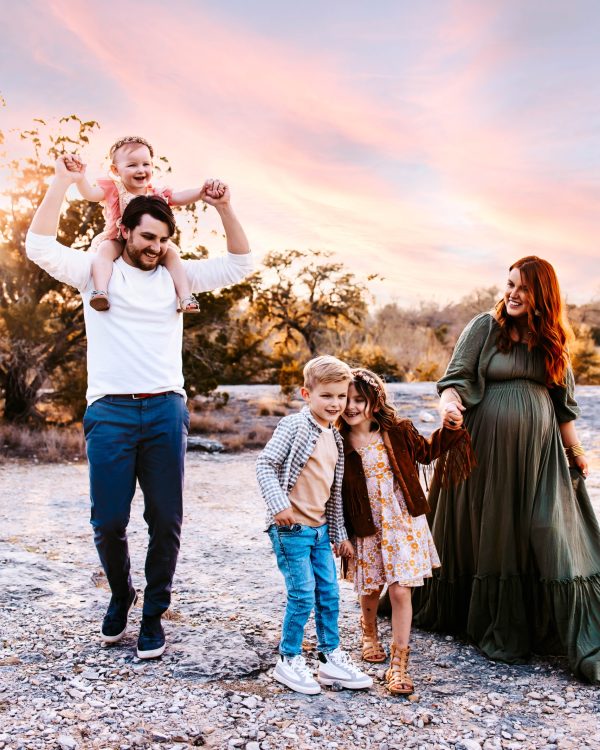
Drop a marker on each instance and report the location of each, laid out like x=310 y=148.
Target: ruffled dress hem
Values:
x=557 y=612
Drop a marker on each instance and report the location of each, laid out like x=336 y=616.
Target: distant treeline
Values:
x=297 y=304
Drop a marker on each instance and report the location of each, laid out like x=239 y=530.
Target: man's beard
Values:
x=136 y=258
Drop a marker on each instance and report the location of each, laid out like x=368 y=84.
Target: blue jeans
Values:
x=306 y=561
x=143 y=440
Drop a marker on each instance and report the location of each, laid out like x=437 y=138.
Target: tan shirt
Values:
x=313 y=487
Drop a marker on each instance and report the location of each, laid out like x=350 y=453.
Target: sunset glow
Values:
x=433 y=143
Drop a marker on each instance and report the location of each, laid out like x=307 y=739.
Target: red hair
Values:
x=546 y=317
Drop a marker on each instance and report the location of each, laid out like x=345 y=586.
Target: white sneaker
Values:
x=293 y=672
x=337 y=667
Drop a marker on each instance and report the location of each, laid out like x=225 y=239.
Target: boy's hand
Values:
x=345 y=549
x=284 y=517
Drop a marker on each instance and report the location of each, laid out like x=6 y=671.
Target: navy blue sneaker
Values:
x=151 y=641
x=114 y=624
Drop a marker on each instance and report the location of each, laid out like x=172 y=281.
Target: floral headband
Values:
x=130 y=139
x=367 y=378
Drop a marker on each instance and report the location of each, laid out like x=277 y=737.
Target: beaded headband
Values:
x=367 y=378
x=130 y=139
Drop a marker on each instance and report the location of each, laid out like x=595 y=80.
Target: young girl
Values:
x=383 y=510
x=130 y=176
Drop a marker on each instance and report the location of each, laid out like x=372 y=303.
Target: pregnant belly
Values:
x=515 y=407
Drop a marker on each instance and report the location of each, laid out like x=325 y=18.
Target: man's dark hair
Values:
x=148 y=204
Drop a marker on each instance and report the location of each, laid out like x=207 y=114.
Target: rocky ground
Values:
x=59 y=688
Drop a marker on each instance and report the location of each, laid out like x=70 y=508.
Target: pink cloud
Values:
x=259 y=78
x=279 y=123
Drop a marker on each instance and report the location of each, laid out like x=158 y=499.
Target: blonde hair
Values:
x=325 y=369
x=129 y=139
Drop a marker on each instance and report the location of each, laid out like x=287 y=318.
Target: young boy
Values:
x=300 y=477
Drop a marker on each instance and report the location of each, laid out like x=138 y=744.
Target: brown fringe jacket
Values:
x=406 y=449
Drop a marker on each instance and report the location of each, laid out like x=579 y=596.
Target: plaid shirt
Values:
x=283 y=458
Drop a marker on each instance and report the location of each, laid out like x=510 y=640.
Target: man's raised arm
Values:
x=214 y=273
x=216 y=194
x=63 y=263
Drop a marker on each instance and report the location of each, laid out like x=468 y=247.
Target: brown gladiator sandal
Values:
x=372 y=650
x=397 y=679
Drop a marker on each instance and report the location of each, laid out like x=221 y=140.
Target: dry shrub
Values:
x=374 y=358
x=268 y=406
x=585 y=356
x=210 y=423
x=290 y=374
x=51 y=444
x=216 y=401
x=234 y=442
x=426 y=371
x=255 y=438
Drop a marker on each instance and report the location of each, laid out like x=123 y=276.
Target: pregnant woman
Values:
x=519 y=541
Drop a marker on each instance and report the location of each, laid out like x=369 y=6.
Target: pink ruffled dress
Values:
x=116 y=198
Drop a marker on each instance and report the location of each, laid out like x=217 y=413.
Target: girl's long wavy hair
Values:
x=546 y=318
x=371 y=387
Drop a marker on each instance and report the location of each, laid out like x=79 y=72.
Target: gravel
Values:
x=61 y=689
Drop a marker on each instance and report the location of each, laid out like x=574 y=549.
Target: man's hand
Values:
x=284 y=517
x=45 y=219
x=452 y=415
x=75 y=165
x=215 y=193
x=65 y=169
x=345 y=549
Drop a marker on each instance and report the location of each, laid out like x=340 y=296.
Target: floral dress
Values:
x=402 y=549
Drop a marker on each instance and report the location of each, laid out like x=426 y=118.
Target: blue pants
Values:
x=306 y=561
x=146 y=440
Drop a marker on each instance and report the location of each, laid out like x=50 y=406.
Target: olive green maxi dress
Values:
x=519 y=546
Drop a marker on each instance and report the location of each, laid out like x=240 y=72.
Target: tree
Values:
x=42 y=335
x=222 y=344
x=302 y=296
x=41 y=320
x=585 y=358
x=375 y=358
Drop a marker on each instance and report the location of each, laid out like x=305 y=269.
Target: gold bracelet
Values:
x=575 y=450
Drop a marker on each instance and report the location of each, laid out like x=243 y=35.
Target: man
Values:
x=136 y=421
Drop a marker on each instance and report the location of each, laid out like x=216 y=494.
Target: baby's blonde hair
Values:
x=325 y=369
x=129 y=139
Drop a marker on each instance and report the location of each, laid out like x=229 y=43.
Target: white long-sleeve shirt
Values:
x=135 y=347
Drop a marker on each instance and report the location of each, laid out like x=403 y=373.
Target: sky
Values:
x=433 y=143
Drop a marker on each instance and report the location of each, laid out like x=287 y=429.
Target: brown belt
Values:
x=136 y=396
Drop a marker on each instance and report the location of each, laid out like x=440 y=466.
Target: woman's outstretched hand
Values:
x=452 y=417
